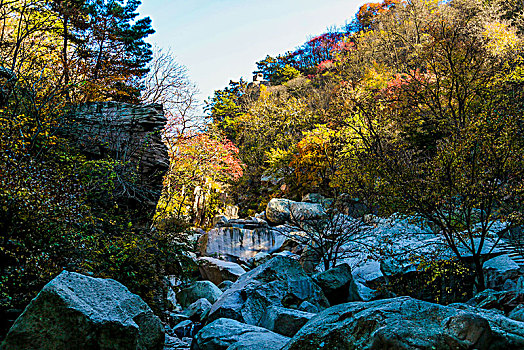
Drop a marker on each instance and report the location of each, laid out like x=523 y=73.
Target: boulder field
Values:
x=274 y=306
x=254 y=291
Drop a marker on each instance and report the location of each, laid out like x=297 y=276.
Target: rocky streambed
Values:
x=256 y=292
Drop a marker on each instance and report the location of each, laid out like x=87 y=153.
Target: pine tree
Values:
x=114 y=50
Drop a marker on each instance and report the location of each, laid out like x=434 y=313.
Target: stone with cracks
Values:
x=225 y=285
x=407 y=323
x=198 y=310
x=173 y=343
x=74 y=311
x=174 y=318
x=519 y=289
x=259 y=259
x=285 y=321
x=501 y=300
x=129 y=133
x=279 y=282
x=308 y=307
x=218 y=271
x=517 y=313
x=184 y=329
x=229 y=334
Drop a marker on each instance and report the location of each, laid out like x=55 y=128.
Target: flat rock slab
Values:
x=218 y=271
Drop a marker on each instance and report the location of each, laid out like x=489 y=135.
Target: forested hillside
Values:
x=412 y=94
x=414 y=108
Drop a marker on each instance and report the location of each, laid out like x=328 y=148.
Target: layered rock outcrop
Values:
x=127 y=133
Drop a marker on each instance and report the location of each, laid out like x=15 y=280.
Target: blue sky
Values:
x=219 y=40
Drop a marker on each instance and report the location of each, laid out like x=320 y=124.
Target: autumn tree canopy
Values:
x=415 y=109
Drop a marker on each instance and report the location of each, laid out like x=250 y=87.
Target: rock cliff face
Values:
x=127 y=133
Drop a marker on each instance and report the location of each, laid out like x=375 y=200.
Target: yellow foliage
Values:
x=501 y=39
x=264 y=92
x=377 y=76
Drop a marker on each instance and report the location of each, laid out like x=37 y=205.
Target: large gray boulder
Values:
x=218 y=271
x=504 y=301
x=173 y=343
x=198 y=310
x=285 y=321
x=74 y=311
x=369 y=274
x=500 y=269
x=507 y=333
x=279 y=282
x=406 y=323
x=197 y=290
x=229 y=334
x=280 y=210
x=338 y=285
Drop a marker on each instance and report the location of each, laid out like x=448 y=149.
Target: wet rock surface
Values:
x=231 y=243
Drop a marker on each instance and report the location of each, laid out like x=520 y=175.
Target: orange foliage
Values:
x=367 y=13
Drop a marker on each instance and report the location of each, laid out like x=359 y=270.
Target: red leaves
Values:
x=213 y=156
